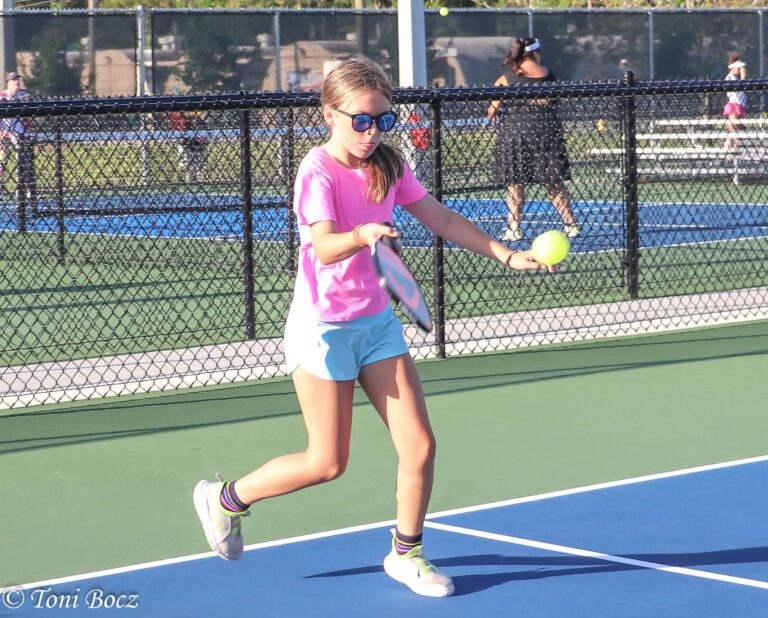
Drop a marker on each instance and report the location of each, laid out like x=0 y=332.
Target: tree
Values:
x=212 y=60
x=50 y=74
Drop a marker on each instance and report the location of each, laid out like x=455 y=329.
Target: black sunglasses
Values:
x=362 y=122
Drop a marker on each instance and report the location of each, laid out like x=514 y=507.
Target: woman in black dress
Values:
x=530 y=147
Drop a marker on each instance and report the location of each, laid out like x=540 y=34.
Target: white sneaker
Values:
x=222 y=531
x=418 y=573
x=511 y=235
x=572 y=230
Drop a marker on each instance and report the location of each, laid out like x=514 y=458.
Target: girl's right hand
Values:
x=369 y=233
x=524 y=260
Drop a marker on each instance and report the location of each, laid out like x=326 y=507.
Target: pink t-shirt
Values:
x=326 y=190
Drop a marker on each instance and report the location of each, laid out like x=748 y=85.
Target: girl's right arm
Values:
x=315 y=189
x=495 y=106
x=332 y=246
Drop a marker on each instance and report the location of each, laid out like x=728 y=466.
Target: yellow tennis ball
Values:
x=550 y=248
x=444 y=10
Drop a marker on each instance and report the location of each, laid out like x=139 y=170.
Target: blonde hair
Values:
x=350 y=77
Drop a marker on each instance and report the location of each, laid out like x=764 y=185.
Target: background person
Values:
x=736 y=102
x=341 y=327
x=15 y=135
x=193 y=146
x=530 y=146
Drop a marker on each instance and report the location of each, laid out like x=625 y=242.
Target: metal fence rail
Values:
x=149 y=243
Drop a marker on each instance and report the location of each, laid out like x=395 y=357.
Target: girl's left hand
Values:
x=524 y=260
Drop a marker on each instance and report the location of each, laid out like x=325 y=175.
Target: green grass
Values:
x=116 y=295
x=121 y=295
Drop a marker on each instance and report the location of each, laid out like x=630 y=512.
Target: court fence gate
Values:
x=149 y=243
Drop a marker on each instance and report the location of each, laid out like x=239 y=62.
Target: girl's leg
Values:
x=733 y=126
x=561 y=200
x=5 y=152
x=515 y=202
x=394 y=389
x=327 y=410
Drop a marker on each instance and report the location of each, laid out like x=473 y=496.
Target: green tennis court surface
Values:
x=108 y=484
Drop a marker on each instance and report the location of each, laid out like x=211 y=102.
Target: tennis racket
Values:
x=395 y=277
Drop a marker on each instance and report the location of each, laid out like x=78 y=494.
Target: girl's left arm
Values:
x=459 y=230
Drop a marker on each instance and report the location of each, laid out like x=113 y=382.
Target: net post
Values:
x=245 y=160
x=60 y=247
x=21 y=208
x=438 y=253
x=629 y=183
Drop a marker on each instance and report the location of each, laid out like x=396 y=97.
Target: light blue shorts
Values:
x=338 y=350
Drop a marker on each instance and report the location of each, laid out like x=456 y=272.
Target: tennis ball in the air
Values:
x=444 y=10
x=550 y=248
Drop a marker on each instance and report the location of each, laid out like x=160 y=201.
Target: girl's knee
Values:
x=328 y=469
x=421 y=450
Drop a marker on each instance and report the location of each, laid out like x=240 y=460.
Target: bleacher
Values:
x=688 y=148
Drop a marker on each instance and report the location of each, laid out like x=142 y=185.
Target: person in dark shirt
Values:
x=530 y=146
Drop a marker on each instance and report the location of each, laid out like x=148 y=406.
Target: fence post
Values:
x=61 y=250
x=761 y=57
x=651 y=43
x=438 y=254
x=629 y=183
x=141 y=46
x=245 y=158
x=278 y=44
x=287 y=162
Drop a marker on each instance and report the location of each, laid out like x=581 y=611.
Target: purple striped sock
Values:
x=229 y=500
x=405 y=543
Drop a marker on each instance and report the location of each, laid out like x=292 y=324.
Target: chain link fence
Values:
x=71 y=53
x=150 y=244
x=165 y=51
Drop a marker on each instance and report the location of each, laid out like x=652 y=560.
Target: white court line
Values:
x=383 y=524
x=598 y=486
x=194 y=557
x=585 y=553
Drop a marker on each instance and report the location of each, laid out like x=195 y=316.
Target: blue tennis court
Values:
x=683 y=543
x=219 y=217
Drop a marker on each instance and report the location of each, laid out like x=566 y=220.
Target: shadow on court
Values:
x=563 y=566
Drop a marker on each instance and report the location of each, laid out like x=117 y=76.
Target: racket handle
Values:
x=393 y=243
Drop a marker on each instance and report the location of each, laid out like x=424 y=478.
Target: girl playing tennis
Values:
x=341 y=327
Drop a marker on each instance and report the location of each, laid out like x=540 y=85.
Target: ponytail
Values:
x=385 y=166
